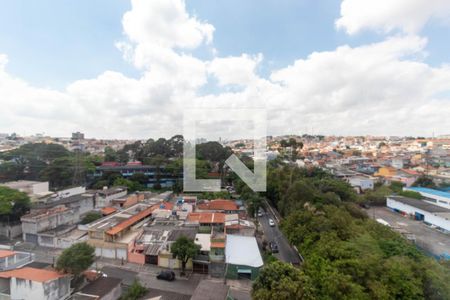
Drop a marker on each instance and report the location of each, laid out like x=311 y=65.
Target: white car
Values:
x=271 y=223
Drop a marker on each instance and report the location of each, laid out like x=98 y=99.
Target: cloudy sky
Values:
x=129 y=69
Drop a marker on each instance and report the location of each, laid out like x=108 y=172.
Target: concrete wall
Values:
x=36 y=225
x=50 y=290
x=10 y=231
x=71 y=192
x=40 y=188
x=233 y=271
x=106 y=201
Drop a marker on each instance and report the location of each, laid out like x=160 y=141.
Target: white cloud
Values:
x=381 y=88
x=235 y=70
x=166 y=24
x=385 y=16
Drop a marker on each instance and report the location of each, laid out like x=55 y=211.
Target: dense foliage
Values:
x=76 y=259
x=13 y=204
x=347 y=255
x=134 y=292
x=46 y=162
x=91 y=217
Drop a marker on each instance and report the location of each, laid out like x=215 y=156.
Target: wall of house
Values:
x=40 y=188
x=109 y=250
x=166 y=260
x=10 y=231
x=233 y=271
x=35 y=225
x=106 y=201
x=27 y=289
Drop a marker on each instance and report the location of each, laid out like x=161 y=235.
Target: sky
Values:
x=133 y=69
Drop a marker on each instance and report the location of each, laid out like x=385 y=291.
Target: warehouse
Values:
x=440 y=198
x=242 y=257
x=421 y=210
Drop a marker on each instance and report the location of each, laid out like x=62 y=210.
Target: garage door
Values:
x=121 y=254
x=244 y=273
x=32 y=238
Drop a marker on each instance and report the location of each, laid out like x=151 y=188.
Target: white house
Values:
x=361 y=183
x=32 y=283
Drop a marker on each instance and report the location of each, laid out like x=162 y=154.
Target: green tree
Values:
x=279 y=280
x=184 y=249
x=132 y=186
x=134 y=292
x=13 y=204
x=91 y=217
x=411 y=194
x=110 y=154
x=425 y=181
x=59 y=172
x=76 y=259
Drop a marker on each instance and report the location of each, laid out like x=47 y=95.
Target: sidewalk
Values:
x=143 y=269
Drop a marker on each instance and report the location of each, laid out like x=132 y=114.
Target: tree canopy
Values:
x=76 y=259
x=347 y=255
x=13 y=204
x=184 y=249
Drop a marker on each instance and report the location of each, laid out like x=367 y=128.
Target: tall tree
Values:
x=279 y=280
x=13 y=204
x=184 y=249
x=76 y=259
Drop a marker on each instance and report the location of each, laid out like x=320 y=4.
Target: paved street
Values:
x=286 y=252
x=147 y=277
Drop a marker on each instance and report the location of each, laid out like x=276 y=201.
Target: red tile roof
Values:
x=33 y=274
x=219 y=204
x=218 y=245
x=108 y=210
x=206 y=217
x=137 y=217
x=6 y=253
x=130 y=221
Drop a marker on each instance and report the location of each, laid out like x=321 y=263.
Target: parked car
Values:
x=166 y=275
x=273 y=247
x=260 y=213
x=271 y=223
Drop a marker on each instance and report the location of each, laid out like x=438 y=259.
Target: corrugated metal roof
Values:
x=420 y=204
x=430 y=191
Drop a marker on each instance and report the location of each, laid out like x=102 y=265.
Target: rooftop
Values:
x=6 y=253
x=204 y=240
x=101 y=286
x=219 y=204
x=33 y=274
x=108 y=210
x=430 y=191
x=206 y=217
x=421 y=204
x=242 y=250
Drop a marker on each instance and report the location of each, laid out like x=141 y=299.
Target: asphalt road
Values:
x=286 y=252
